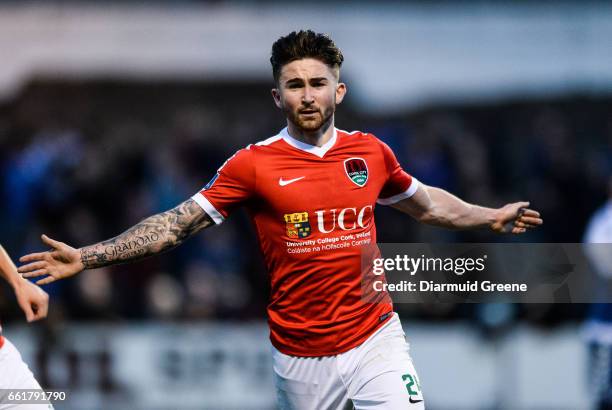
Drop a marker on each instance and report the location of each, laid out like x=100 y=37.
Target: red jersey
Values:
x=313 y=210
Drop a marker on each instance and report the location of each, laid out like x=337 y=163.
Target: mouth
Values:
x=308 y=112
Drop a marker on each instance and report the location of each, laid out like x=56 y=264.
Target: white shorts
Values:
x=15 y=374
x=378 y=374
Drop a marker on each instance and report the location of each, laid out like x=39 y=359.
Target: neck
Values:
x=317 y=138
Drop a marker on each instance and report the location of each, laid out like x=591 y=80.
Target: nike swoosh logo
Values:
x=414 y=401
x=283 y=182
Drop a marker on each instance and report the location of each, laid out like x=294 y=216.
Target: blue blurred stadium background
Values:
x=112 y=112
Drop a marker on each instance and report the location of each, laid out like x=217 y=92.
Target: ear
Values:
x=340 y=92
x=277 y=97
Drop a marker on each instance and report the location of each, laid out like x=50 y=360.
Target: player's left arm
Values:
x=33 y=300
x=435 y=206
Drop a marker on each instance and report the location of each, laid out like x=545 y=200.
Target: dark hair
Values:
x=304 y=44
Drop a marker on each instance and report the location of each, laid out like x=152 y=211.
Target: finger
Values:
x=522 y=204
x=531 y=212
x=528 y=226
x=46 y=281
x=33 y=257
x=36 y=273
x=27 y=309
x=43 y=310
x=31 y=316
x=32 y=266
x=51 y=242
x=531 y=221
x=517 y=230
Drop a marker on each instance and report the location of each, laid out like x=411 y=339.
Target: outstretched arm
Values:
x=33 y=300
x=435 y=206
x=155 y=234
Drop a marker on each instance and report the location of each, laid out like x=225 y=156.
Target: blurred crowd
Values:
x=83 y=161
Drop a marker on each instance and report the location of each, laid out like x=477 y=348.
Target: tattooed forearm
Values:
x=153 y=235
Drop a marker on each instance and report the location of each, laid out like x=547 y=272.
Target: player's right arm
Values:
x=232 y=185
x=153 y=235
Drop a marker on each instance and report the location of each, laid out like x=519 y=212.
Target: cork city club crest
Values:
x=297 y=225
x=357 y=170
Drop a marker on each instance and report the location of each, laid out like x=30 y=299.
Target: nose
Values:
x=307 y=97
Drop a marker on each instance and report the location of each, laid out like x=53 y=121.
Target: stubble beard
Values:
x=311 y=124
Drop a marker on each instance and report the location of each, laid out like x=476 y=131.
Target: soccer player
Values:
x=310 y=191
x=14 y=373
x=598 y=329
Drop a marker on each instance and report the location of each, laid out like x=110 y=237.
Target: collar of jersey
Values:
x=312 y=149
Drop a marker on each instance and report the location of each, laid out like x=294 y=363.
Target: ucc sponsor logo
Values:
x=327 y=221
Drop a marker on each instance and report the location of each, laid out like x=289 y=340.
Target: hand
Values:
x=61 y=262
x=33 y=300
x=516 y=218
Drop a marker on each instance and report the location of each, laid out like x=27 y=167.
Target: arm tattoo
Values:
x=153 y=235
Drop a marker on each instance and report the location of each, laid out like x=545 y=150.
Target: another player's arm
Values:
x=33 y=300
x=153 y=235
x=8 y=270
x=435 y=206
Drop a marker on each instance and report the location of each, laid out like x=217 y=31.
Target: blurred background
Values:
x=110 y=112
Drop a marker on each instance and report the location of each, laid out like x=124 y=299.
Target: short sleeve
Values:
x=399 y=184
x=233 y=184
